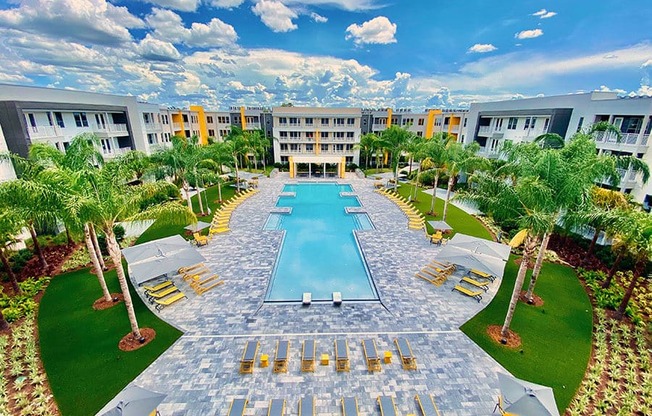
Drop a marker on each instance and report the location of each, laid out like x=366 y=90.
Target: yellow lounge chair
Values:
x=201 y=240
x=427 y=405
x=408 y=360
x=200 y=290
x=477 y=295
x=481 y=285
x=443 y=266
x=387 y=406
x=276 y=407
x=281 y=357
x=349 y=406
x=342 y=362
x=237 y=407
x=162 y=303
x=483 y=274
x=248 y=359
x=157 y=287
x=308 y=356
x=219 y=230
x=163 y=293
x=195 y=273
x=371 y=355
x=190 y=268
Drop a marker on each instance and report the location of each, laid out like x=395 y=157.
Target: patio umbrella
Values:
x=132 y=401
x=198 y=226
x=440 y=225
x=154 y=248
x=150 y=268
x=521 y=397
x=481 y=246
x=470 y=260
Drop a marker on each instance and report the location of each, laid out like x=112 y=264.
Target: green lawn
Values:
x=556 y=338
x=79 y=346
x=456 y=218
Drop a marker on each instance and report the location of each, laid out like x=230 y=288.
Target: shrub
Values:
x=19 y=259
x=31 y=286
x=170 y=191
x=119 y=232
x=12 y=314
x=351 y=167
x=78 y=259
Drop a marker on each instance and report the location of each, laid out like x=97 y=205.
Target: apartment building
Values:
x=6 y=169
x=491 y=124
x=423 y=124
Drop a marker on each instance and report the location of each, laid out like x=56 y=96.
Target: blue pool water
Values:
x=319 y=253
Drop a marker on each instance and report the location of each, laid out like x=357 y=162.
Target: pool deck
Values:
x=199 y=373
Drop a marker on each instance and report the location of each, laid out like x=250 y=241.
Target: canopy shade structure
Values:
x=440 y=225
x=132 y=401
x=198 y=226
x=521 y=397
x=469 y=260
x=481 y=246
x=246 y=175
x=150 y=260
x=384 y=175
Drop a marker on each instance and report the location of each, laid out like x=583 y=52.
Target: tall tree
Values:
x=366 y=146
x=10 y=226
x=238 y=147
x=434 y=151
x=459 y=159
x=395 y=142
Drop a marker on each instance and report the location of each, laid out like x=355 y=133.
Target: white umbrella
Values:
x=132 y=401
x=481 y=246
x=469 y=260
x=440 y=225
x=150 y=268
x=198 y=226
x=521 y=397
x=154 y=248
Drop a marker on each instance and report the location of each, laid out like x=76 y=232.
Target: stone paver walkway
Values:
x=199 y=373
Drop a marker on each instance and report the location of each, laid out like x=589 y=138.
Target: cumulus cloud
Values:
x=181 y=5
x=482 y=48
x=350 y=5
x=318 y=18
x=604 y=88
x=226 y=4
x=85 y=21
x=157 y=50
x=529 y=34
x=190 y=84
x=168 y=27
x=275 y=15
x=377 y=30
x=544 y=14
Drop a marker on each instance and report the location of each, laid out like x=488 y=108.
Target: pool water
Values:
x=319 y=254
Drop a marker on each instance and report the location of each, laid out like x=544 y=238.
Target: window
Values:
x=499 y=124
x=294 y=121
x=546 y=122
x=283 y=134
x=437 y=122
x=145 y=117
x=294 y=147
x=339 y=121
x=223 y=119
x=309 y=147
x=209 y=119
x=379 y=120
x=324 y=134
x=106 y=146
x=185 y=118
x=224 y=133
x=526 y=126
x=284 y=147
x=282 y=120
x=420 y=133
x=465 y=119
x=310 y=135
x=421 y=122
x=80 y=119
x=349 y=147
x=324 y=122
x=394 y=120
x=59 y=118
x=350 y=121
x=99 y=120
x=350 y=135
x=50 y=119
x=407 y=121
x=511 y=124
x=324 y=148
x=294 y=135
x=151 y=138
x=165 y=119
x=533 y=123
x=339 y=134
x=308 y=121
x=349 y=159
x=32 y=120
x=339 y=147
x=211 y=133
x=284 y=159
x=579 y=124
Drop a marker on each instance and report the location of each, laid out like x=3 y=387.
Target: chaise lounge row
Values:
x=220 y=223
x=416 y=220
x=309 y=356
x=386 y=405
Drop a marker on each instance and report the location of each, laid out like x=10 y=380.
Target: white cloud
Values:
x=87 y=21
x=377 y=30
x=275 y=15
x=168 y=27
x=604 y=88
x=191 y=84
x=647 y=63
x=544 y=14
x=529 y=34
x=482 y=48
x=182 y=5
x=226 y=4
x=645 y=90
x=157 y=50
x=350 y=5
x=318 y=18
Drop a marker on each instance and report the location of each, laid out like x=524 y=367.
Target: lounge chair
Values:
x=188 y=269
x=276 y=407
x=475 y=294
x=162 y=293
x=427 y=405
x=162 y=303
x=481 y=285
x=158 y=287
x=436 y=238
x=219 y=230
x=200 y=290
x=199 y=279
x=200 y=240
x=444 y=266
x=342 y=362
x=249 y=357
x=307 y=406
x=446 y=270
x=195 y=274
x=483 y=274
x=436 y=280
x=281 y=357
x=349 y=406
x=237 y=407
x=371 y=355
x=405 y=352
x=308 y=356
x=387 y=406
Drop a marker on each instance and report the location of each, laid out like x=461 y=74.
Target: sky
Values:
x=366 y=53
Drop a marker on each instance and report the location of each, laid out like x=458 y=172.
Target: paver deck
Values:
x=199 y=373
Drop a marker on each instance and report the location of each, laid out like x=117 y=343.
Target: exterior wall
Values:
x=313 y=132
x=423 y=124
x=6 y=169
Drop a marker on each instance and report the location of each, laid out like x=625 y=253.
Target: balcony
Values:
x=628 y=142
x=253 y=126
x=152 y=126
x=483 y=130
x=380 y=126
x=176 y=126
x=40 y=132
x=116 y=152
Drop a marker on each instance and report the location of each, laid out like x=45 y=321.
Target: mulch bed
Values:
x=536 y=300
x=101 y=304
x=55 y=256
x=513 y=339
x=129 y=343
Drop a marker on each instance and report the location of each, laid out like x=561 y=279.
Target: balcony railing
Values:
x=42 y=131
x=176 y=126
x=610 y=137
x=484 y=129
x=152 y=126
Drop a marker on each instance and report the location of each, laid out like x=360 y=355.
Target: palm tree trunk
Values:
x=10 y=273
x=529 y=247
x=186 y=189
x=219 y=190
x=396 y=178
x=593 y=241
x=537 y=267
x=96 y=263
x=416 y=188
x=237 y=176
x=68 y=237
x=96 y=245
x=116 y=256
x=630 y=290
x=434 y=194
x=613 y=269
x=3 y=322
x=37 y=246
x=451 y=182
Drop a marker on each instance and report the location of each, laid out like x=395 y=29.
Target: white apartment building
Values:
x=423 y=124
x=491 y=124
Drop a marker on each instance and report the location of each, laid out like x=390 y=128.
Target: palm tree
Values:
x=238 y=147
x=220 y=153
x=395 y=141
x=459 y=159
x=413 y=149
x=601 y=206
x=434 y=151
x=10 y=226
x=366 y=147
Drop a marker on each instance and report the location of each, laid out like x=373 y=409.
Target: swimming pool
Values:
x=319 y=253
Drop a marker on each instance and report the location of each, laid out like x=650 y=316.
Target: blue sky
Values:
x=369 y=53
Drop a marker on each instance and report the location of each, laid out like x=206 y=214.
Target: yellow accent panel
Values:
x=291 y=163
x=343 y=167
x=317 y=145
x=389 y=117
x=178 y=118
x=203 y=127
x=430 y=121
x=243 y=120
